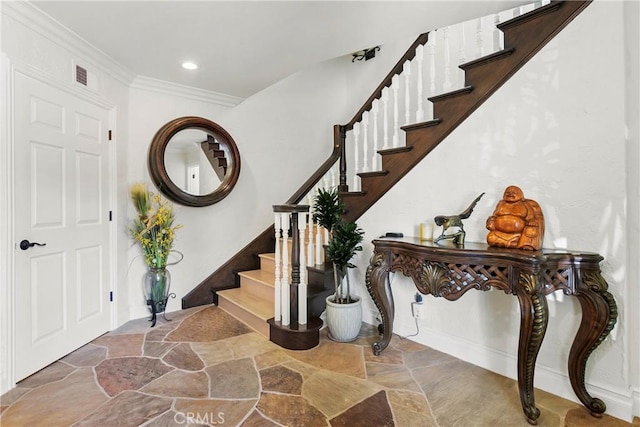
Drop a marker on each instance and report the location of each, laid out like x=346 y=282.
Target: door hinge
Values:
x=110 y=215
x=110 y=296
x=109 y=134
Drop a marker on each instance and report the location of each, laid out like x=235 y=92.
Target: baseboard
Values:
x=621 y=404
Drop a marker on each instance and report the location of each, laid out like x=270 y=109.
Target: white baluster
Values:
x=356 y=159
x=406 y=72
x=385 y=117
x=302 y=286
x=374 y=154
x=395 y=84
x=277 y=285
x=433 y=37
x=310 y=244
x=447 y=61
x=285 y=292
x=319 y=250
x=516 y=12
x=420 y=59
x=433 y=40
x=365 y=143
x=332 y=174
x=497 y=34
x=480 y=37
x=462 y=55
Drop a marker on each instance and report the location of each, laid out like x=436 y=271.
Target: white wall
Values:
x=283 y=134
x=149 y=110
x=34 y=45
x=632 y=76
x=556 y=129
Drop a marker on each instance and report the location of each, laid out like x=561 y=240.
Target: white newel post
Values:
x=277 y=285
x=285 y=294
x=302 y=286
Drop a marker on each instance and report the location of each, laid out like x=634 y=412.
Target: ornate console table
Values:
x=444 y=270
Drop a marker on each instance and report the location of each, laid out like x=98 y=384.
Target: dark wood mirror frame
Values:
x=158 y=170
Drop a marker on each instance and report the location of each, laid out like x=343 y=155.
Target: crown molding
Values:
x=32 y=17
x=189 y=92
x=36 y=20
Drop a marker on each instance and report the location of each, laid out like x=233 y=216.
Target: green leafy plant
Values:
x=327 y=208
x=153 y=226
x=345 y=239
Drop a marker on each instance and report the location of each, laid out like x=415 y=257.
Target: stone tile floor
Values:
x=206 y=368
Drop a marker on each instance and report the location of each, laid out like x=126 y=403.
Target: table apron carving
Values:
x=444 y=270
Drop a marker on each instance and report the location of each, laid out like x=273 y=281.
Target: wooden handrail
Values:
x=397 y=69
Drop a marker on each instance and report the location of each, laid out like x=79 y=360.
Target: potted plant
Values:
x=344 y=311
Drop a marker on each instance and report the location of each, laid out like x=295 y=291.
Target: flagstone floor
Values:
x=206 y=368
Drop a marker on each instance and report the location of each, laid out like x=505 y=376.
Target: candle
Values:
x=426 y=231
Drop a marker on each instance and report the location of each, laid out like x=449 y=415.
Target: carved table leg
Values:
x=534 y=315
x=599 y=315
x=379 y=289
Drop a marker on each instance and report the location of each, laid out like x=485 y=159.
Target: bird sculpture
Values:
x=447 y=222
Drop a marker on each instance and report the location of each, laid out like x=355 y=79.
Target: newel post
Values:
x=339 y=138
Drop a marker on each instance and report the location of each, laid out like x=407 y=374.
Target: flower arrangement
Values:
x=153 y=227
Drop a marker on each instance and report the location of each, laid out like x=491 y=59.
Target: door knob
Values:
x=25 y=244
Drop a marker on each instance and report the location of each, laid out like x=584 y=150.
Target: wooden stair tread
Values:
x=257 y=306
x=264 y=277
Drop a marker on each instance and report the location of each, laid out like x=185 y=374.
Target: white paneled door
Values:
x=62 y=193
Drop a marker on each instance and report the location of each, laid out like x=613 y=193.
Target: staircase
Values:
x=216 y=156
x=524 y=36
x=253 y=301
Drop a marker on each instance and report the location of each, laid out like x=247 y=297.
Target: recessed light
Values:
x=189 y=66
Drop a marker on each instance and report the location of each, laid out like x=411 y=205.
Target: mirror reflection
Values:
x=193 y=161
x=196 y=162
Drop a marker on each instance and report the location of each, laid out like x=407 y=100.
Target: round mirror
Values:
x=194 y=161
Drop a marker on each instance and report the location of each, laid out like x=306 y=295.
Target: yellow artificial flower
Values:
x=153 y=227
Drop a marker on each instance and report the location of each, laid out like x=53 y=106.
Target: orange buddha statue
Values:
x=516 y=222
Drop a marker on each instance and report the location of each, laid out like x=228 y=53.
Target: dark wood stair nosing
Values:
x=495 y=56
x=459 y=92
x=372 y=173
x=352 y=193
x=533 y=14
x=421 y=125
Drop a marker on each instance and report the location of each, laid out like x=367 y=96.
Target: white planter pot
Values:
x=344 y=320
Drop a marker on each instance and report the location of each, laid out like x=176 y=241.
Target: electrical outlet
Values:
x=418 y=310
